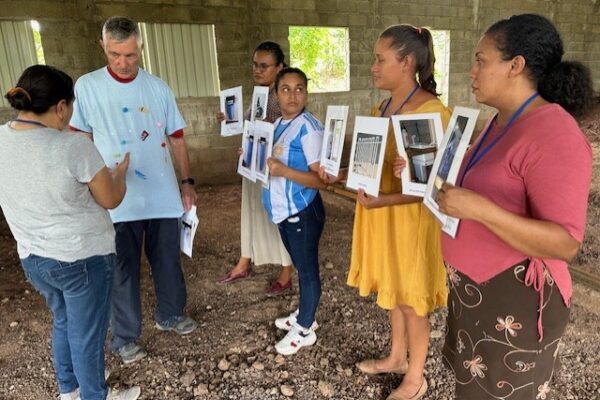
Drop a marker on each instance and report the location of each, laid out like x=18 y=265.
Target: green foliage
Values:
x=323 y=54
x=39 y=51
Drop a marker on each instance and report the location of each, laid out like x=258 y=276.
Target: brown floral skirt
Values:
x=492 y=336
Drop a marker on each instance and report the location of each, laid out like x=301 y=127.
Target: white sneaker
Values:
x=296 y=338
x=127 y=394
x=75 y=395
x=287 y=322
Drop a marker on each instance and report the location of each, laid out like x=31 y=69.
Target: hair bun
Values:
x=18 y=98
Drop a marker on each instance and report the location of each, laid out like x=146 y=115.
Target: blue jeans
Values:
x=160 y=239
x=300 y=234
x=78 y=294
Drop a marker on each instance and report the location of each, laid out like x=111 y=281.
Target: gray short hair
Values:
x=120 y=29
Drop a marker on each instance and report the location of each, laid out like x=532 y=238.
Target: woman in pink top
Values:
x=521 y=196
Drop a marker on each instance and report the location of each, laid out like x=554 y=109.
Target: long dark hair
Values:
x=275 y=50
x=407 y=39
x=536 y=39
x=39 y=88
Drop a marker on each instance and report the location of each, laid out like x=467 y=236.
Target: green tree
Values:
x=323 y=54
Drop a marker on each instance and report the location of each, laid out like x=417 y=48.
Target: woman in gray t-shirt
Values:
x=55 y=192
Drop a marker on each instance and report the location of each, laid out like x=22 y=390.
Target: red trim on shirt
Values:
x=117 y=78
x=72 y=128
x=177 y=134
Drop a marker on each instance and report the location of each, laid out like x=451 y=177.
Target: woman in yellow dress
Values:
x=396 y=241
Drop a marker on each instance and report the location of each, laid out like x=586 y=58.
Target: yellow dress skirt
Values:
x=396 y=250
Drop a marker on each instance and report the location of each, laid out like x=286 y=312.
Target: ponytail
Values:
x=425 y=70
x=569 y=84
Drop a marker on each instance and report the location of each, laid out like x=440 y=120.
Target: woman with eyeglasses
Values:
x=260 y=240
x=293 y=202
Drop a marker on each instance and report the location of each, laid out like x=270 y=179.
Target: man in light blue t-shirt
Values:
x=125 y=109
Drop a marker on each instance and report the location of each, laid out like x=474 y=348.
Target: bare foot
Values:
x=389 y=363
x=243 y=265
x=285 y=275
x=382 y=366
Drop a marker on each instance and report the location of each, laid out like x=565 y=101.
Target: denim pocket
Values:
x=318 y=208
x=70 y=276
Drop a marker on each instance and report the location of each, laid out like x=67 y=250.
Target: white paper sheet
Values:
x=233 y=108
x=189 y=224
x=333 y=138
x=448 y=161
x=247 y=160
x=417 y=139
x=263 y=134
x=260 y=98
x=366 y=157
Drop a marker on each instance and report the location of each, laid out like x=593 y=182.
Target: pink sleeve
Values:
x=557 y=179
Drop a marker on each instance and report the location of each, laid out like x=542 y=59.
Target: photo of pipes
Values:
x=367 y=153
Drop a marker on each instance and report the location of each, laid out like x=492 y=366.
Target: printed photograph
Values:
x=449 y=153
x=335 y=139
x=366 y=156
x=260 y=109
x=334 y=136
x=230 y=109
x=418 y=133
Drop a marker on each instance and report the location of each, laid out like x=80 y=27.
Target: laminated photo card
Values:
x=366 y=156
x=260 y=96
x=189 y=224
x=417 y=138
x=247 y=159
x=263 y=142
x=448 y=160
x=232 y=107
x=333 y=138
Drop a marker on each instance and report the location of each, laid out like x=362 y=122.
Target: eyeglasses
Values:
x=261 y=67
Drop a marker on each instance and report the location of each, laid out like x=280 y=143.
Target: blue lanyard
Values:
x=30 y=121
x=275 y=139
x=477 y=156
x=410 y=95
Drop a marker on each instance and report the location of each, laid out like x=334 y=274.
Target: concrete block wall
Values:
x=71 y=29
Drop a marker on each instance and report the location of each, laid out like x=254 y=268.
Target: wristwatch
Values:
x=189 y=181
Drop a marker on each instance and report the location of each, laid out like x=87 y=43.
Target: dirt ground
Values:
x=231 y=355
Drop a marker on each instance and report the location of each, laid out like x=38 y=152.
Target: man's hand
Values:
x=188 y=196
